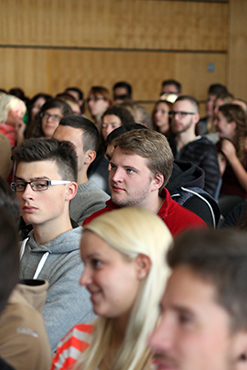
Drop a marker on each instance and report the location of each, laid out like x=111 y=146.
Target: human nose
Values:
x=162 y=338
x=85 y=278
x=28 y=192
x=116 y=174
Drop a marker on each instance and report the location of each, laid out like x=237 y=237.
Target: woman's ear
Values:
x=143 y=265
x=71 y=190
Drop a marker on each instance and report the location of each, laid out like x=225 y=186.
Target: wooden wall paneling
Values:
x=52 y=70
x=135 y=24
x=237 y=52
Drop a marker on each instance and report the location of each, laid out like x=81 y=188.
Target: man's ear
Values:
x=71 y=190
x=89 y=156
x=196 y=117
x=158 y=181
x=143 y=265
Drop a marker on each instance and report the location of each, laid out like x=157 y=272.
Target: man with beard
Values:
x=140 y=167
x=188 y=147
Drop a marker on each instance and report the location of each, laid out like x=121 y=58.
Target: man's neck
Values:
x=82 y=176
x=45 y=232
x=154 y=204
x=184 y=138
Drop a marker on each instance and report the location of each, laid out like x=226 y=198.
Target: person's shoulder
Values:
x=108 y=208
x=71 y=346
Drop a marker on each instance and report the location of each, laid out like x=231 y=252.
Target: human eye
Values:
x=96 y=263
x=113 y=166
x=185 y=319
x=182 y=114
x=56 y=117
x=40 y=184
x=20 y=186
x=130 y=170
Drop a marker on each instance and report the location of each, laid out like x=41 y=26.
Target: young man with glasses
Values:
x=188 y=147
x=45 y=182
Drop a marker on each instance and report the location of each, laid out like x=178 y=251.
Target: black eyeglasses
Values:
x=180 y=114
x=94 y=98
x=36 y=185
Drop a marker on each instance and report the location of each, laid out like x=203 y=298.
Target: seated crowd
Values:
x=123 y=232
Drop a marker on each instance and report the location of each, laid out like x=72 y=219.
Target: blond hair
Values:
x=8 y=102
x=131 y=231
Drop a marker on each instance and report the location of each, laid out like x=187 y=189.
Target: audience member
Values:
x=113 y=117
x=186 y=146
x=204 y=306
x=142 y=116
x=185 y=184
x=160 y=117
x=35 y=104
x=140 y=167
x=122 y=91
x=71 y=101
x=48 y=118
x=125 y=273
x=23 y=339
x=12 y=110
x=98 y=100
x=205 y=125
x=231 y=123
x=83 y=134
x=78 y=95
x=171 y=87
x=5 y=155
x=9 y=266
x=45 y=182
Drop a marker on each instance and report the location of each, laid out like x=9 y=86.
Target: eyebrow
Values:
x=32 y=178
x=178 y=309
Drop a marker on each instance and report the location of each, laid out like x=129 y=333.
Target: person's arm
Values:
x=20 y=127
x=229 y=152
x=67 y=302
x=210 y=166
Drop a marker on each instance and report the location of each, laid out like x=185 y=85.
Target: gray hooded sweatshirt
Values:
x=58 y=262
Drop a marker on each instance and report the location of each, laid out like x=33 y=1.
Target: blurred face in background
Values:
x=15 y=114
x=161 y=117
x=110 y=122
x=36 y=107
x=50 y=121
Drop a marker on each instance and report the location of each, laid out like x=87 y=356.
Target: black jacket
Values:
x=202 y=153
x=186 y=187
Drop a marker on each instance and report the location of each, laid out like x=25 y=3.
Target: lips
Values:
x=29 y=209
x=94 y=294
x=117 y=189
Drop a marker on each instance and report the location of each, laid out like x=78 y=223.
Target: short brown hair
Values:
x=150 y=145
x=219 y=257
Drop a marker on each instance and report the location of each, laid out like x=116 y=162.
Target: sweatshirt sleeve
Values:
x=67 y=302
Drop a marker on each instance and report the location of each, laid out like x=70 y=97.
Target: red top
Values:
x=176 y=217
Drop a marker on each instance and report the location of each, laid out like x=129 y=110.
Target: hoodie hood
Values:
x=185 y=174
x=60 y=245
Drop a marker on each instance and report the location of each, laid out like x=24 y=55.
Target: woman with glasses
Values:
x=99 y=99
x=48 y=118
x=125 y=273
x=160 y=117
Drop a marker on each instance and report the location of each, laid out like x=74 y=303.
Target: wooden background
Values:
x=48 y=45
